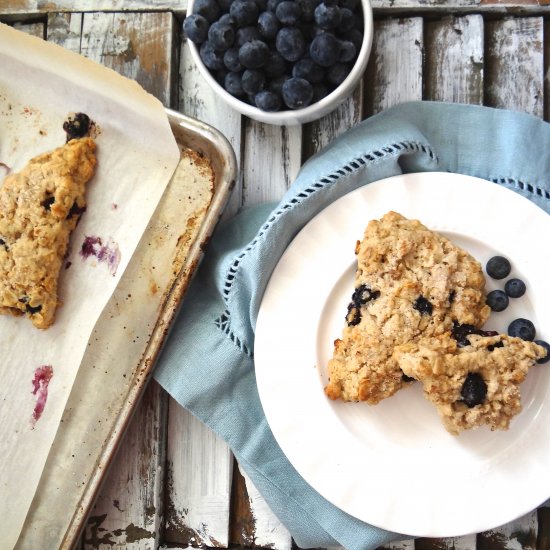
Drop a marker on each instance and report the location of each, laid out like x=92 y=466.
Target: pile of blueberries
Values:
x=499 y=267
x=277 y=54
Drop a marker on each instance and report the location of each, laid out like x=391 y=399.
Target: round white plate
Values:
x=393 y=465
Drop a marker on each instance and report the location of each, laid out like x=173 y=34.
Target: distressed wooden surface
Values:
x=173 y=484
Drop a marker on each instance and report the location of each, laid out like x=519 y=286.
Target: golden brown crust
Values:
x=39 y=208
x=442 y=366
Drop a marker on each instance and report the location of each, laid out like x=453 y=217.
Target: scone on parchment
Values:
x=410 y=283
x=39 y=208
x=472 y=379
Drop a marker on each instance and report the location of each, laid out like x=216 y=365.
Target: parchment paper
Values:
x=40 y=86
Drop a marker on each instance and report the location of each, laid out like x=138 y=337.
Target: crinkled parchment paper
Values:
x=40 y=86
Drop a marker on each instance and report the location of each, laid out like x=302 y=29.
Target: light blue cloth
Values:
x=207 y=364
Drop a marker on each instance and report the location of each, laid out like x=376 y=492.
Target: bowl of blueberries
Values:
x=281 y=62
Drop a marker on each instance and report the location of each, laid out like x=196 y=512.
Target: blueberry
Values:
x=261 y=4
x=275 y=66
x=363 y=294
x=497 y=300
x=226 y=19
x=308 y=8
x=211 y=57
x=349 y=4
x=254 y=55
x=231 y=60
x=33 y=309
x=353 y=316
x=220 y=75
x=209 y=9
x=290 y=43
x=275 y=85
x=245 y=12
x=77 y=126
x=337 y=73
x=347 y=21
x=288 y=12
x=253 y=81
x=355 y=36
x=47 y=203
x=268 y=25
x=272 y=5
x=268 y=101
x=195 y=28
x=348 y=51
x=423 y=306
x=460 y=333
x=225 y=5
x=319 y=91
x=492 y=347
x=327 y=17
x=546 y=346
x=246 y=34
x=221 y=36
x=324 y=49
x=515 y=288
x=233 y=84
x=498 y=267
x=297 y=93
x=474 y=390
x=522 y=328
x=308 y=69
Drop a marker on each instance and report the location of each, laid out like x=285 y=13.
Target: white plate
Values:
x=393 y=465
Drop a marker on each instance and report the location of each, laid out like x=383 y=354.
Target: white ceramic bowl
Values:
x=311 y=112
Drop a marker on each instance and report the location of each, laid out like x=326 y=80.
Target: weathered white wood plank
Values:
x=345 y=116
x=199 y=101
x=65 y=29
x=516 y=535
x=272 y=158
x=395 y=72
x=400 y=545
x=34 y=29
x=128 y=511
x=199 y=463
x=515 y=66
x=454 y=59
x=269 y=532
x=396 y=6
x=137 y=45
x=467 y=542
x=199 y=466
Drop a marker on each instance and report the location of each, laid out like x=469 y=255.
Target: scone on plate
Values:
x=39 y=208
x=473 y=380
x=410 y=283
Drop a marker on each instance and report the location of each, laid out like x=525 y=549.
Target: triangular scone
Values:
x=410 y=283
x=39 y=208
x=471 y=385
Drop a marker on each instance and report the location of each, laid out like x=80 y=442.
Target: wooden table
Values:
x=173 y=483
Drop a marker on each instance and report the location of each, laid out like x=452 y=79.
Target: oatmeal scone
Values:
x=39 y=208
x=410 y=282
x=473 y=380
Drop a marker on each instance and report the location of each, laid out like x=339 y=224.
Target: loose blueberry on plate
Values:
x=522 y=328
x=515 y=288
x=546 y=346
x=498 y=267
x=497 y=300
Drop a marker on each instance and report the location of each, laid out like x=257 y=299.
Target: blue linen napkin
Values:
x=208 y=365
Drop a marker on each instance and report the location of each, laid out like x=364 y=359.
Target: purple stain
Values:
x=107 y=253
x=40 y=382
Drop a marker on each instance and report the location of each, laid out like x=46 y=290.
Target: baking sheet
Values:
x=41 y=85
x=129 y=334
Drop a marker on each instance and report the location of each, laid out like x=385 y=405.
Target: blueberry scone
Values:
x=472 y=377
x=410 y=283
x=39 y=208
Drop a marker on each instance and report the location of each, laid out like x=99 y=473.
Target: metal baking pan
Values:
x=129 y=335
